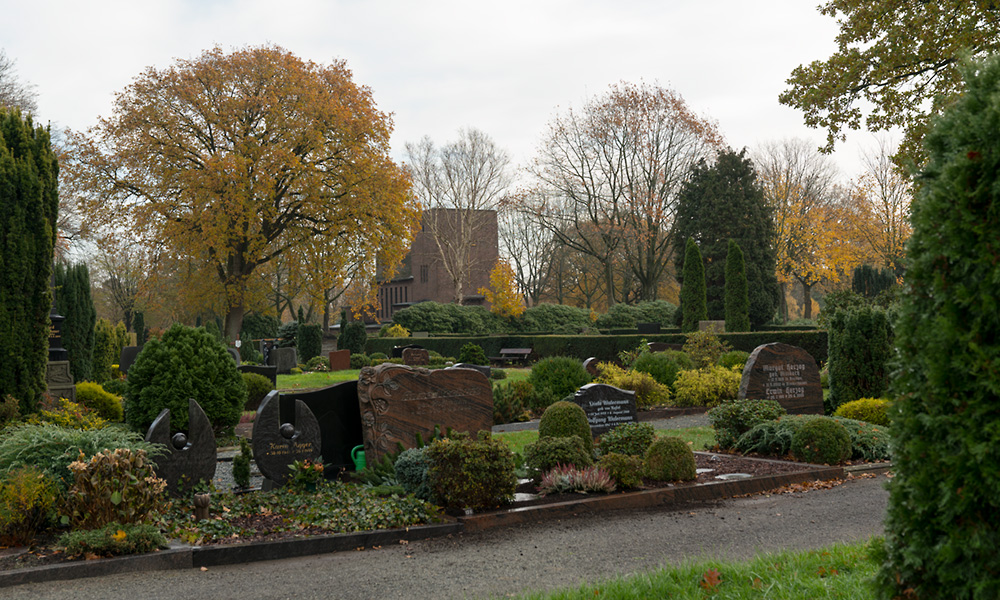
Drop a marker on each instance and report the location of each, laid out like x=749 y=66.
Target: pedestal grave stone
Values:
x=398 y=402
x=190 y=456
x=58 y=377
x=785 y=373
x=278 y=443
x=339 y=418
x=606 y=406
x=416 y=357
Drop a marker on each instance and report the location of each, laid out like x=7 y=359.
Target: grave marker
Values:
x=278 y=443
x=190 y=456
x=340 y=360
x=785 y=373
x=416 y=357
x=606 y=406
x=398 y=402
x=339 y=419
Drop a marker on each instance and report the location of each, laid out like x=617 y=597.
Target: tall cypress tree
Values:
x=737 y=300
x=943 y=519
x=722 y=202
x=29 y=201
x=73 y=301
x=693 y=288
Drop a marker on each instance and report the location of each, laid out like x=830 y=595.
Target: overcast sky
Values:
x=439 y=66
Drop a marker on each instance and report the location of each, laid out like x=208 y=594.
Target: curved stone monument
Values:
x=277 y=445
x=190 y=456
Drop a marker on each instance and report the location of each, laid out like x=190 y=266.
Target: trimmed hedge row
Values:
x=603 y=347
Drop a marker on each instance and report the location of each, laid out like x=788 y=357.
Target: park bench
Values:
x=510 y=356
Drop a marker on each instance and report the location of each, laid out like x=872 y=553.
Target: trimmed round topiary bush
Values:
x=632 y=439
x=561 y=374
x=548 y=452
x=624 y=469
x=471 y=473
x=473 y=354
x=821 y=440
x=95 y=397
x=565 y=419
x=359 y=361
x=257 y=386
x=187 y=362
x=670 y=458
x=869 y=410
x=734 y=359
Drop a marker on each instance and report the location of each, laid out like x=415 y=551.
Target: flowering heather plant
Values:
x=566 y=478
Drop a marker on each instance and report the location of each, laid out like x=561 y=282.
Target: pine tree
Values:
x=693 y=296
x=29 y=201
x=73 y=301
x=722 y=202
x=943 y=519
x=737 y=300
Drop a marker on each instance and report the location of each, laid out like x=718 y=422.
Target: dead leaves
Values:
x=710 y=580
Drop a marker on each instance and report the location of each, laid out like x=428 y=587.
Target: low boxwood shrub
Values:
x=115 y=386
x=560 y=374
x=733 y=418
x=470 y=472
x=626 y=470
x=670 y=458
x=565 y=419
x=68 y=414
x=632 y=439
x=28 y=497
x=497 y=374
x=257 y=386
x=542 y=455
x=648 y=392
x=95 y=397
x=663 y=366
x=869 y=410
x=359 y=361
x=318 y=363
x=114 y=539
x=706 y=387
x=823 y=441
x=473 y=354
x=411 y=472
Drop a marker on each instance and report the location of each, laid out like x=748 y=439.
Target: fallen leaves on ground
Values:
x=710 y=579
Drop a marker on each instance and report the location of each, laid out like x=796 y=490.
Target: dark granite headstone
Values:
x=127 y=357
x=339 y=418
x=267 y=371
x=340 y=360
x=591 y=366
x=56 y=352
x=278 y=443
x=284 y=359
x=647 y=328
x=484 y=370
x=235 y=354
x=398 y=402
x=397 y=351
x=190 y=456
x=784 y=373
x=416 y=357
x=606 y=406
x=663 y=346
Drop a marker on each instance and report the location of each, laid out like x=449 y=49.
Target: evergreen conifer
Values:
x=693 y=288
x=737 y=300
x=73 y=301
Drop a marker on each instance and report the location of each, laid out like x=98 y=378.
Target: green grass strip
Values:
x=839 y=571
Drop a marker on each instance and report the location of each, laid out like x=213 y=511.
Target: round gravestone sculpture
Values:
x=277 y=445
x=191 y=456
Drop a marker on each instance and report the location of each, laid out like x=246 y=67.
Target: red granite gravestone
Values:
x=785 y=373
x=416 y=357
x=398 y=402
x=340 y=360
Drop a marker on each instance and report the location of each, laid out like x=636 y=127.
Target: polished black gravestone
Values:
x=338 y=414
x=606 y=406
x=236 y=355
x=190 y=456
x=278 y=443
x=785 y=373
x=127 y=357
x=267 y=371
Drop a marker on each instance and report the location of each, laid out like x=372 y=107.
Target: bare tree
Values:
x=880 y=206
x=459 y=185
x=529 y=247
x=609 y=177
x=14 y=93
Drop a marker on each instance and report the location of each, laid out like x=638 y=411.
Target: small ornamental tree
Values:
x=105 y=342
x=504 y=299
x=187 y=362
x=29 y=201
x=693 y=297
x=943 y=518
x=737 y=301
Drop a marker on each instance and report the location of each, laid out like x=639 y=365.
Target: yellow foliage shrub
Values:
x=706 y=387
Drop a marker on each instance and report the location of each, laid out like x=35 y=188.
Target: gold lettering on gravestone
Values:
x=784 y=381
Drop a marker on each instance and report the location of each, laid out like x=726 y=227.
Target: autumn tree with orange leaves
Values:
x=503 y=295
x=230 y=160
x=608 y=177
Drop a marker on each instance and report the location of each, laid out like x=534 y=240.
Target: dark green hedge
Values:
x=603 y=347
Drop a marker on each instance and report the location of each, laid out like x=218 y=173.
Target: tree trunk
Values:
x=234 y=322
x=783 y=302
x=807 y=308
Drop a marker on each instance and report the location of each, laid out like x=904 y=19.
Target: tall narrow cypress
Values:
x=29 y=201
x=73 y=301
x=694 y=301
x=737 y=299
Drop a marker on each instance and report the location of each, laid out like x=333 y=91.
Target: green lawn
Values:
x=315 y=380
x=840 y=571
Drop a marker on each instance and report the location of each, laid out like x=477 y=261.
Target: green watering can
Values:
x=358 y=456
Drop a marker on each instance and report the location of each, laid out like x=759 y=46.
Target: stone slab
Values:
x=397 y=351
x=785 y=373
x=416 y=357
x=339 y=417
x=284 y=359
x=191 y=456
x=398 y=402
x=606 y=406
x=127 y=357
x=265 y=370
x=340 y=360
x=277 y=443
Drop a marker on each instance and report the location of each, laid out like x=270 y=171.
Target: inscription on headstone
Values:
x=339 y=418
x=277 y=444
x=785 y=373
x=606 y=406
x=190 y=456
x=416 y=357
x=398 y=402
